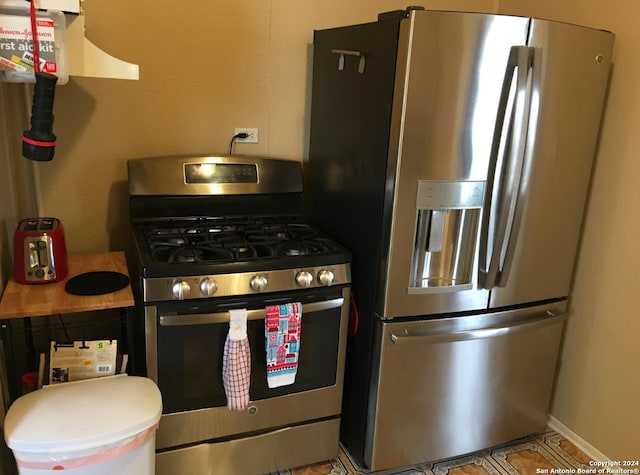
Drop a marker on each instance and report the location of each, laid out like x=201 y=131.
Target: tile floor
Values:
x=533 y=455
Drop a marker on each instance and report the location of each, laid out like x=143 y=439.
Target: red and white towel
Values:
x=282 y=341
x=236 y=362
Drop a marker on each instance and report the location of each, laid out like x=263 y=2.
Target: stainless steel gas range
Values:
x=213 y=234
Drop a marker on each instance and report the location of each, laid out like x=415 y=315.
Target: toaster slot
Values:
x=47 y=224
x=38 y=254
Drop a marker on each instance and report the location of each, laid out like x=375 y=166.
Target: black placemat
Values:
x=96 y=283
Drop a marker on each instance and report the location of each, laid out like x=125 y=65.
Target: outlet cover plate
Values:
x=252 y=134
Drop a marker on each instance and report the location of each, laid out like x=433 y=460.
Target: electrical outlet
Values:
x=252 y=135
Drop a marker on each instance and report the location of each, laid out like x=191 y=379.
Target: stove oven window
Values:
x=190 y=360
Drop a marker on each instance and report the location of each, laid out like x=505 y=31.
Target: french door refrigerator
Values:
x=452 y=152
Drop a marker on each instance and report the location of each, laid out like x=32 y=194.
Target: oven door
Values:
x=185 y=343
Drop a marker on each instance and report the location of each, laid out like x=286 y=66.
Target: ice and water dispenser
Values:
x=446 y=235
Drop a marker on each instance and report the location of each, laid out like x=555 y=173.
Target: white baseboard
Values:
x=576 y=440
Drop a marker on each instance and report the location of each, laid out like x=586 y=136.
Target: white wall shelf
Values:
x=87 y=60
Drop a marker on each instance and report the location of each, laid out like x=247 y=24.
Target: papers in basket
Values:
x=82 y=360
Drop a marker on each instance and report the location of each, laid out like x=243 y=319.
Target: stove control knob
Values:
x=258 y=282
x=304 y=279
x=208 y=286
x=180 y=289
x=325 y=277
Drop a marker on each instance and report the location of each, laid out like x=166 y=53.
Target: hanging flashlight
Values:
x=38 y=143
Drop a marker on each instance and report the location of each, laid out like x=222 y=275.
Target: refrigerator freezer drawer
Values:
x=452 y=386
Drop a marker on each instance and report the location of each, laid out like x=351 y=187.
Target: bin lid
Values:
x=82 y=415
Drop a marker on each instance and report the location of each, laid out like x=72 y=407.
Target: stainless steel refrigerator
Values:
x=452 y=153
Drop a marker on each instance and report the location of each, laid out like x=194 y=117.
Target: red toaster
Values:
x=39 y=251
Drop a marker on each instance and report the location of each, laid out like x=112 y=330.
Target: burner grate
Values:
x=211 y=240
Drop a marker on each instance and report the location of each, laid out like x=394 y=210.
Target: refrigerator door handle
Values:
x=425 y=336
x=508 y=170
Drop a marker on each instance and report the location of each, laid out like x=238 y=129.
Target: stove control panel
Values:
x=244 y=283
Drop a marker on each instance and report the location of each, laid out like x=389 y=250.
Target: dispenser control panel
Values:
x=450 y=194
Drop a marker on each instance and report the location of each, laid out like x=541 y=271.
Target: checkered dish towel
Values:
x=236 y=362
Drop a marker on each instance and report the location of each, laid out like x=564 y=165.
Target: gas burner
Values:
x=170 y=241
x=197 y=253
x=186 y=255
x=291 y=250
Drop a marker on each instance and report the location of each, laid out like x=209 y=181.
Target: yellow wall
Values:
x=599 y=378
x=207 y=67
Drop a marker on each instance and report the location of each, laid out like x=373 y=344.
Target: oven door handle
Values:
x=175 y=320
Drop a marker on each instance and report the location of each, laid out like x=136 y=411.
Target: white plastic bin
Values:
x=103 y=426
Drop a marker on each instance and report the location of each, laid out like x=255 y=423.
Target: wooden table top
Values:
x=36 y=300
